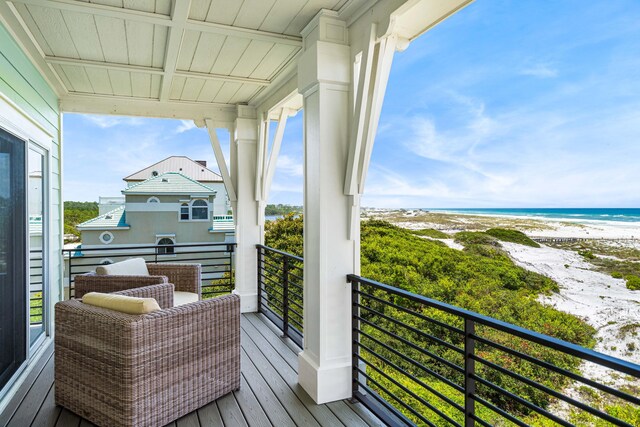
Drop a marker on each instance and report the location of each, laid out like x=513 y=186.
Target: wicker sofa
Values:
x=118 y=370
x=185 y=278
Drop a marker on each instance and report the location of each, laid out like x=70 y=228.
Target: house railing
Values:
x=216 y=260
x=421 y=361
x=35 y=287
x=280 y=291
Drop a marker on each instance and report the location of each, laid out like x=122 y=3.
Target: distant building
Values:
x=174 y=201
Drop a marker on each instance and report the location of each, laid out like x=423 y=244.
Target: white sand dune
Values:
x=600 y=300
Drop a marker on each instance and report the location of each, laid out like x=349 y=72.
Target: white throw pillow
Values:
x=130 y=267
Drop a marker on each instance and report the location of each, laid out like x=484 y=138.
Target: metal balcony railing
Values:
x=280 y=291
x=216 y=260
x=466 y=369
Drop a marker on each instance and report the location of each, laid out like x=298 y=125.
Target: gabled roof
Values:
x=181 y=164
x=169 y=183
x=113 y=219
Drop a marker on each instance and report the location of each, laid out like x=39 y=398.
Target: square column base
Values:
x=324 y=384
x=248 y=301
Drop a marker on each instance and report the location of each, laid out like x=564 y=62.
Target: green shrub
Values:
x=617 y=275
x=475 y=238
x=512 y=236
x=482 y=279
x=586 y=254
x=633 y=282
x=431 y=232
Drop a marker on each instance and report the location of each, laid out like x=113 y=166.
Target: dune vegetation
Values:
x=481 y=278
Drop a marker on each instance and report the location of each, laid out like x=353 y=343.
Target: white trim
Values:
x=153 y=199
x=164 y=20
x=16 y=121
x=106 y=233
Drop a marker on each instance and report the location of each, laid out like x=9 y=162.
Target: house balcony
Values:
x=416 y=361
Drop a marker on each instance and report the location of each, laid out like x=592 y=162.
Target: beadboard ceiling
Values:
x=192 y=51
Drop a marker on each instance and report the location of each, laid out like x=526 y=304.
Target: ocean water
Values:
x=576 y=214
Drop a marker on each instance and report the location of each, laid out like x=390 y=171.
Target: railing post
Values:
x=285 y=296
x=259 y=278
x=469 y=373
x=355 y=337
x=70 y=277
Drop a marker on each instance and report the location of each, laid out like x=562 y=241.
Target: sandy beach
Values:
x=599 y=299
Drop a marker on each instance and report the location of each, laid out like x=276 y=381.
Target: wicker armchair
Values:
x=185 y=277
x=118 y=370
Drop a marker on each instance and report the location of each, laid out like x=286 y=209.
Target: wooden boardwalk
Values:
x=269 y=394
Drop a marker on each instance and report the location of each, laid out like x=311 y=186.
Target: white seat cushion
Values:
x=182 y=298
x=130 y=267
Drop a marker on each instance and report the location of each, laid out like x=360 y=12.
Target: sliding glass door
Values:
x=37 y=197
x=13 y=256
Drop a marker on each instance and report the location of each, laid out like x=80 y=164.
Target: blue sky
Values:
x=509 y=103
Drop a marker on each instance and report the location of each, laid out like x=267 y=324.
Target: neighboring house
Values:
x=162 y=206
x=168 y=208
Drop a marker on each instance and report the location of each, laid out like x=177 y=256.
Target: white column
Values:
x=323 y=80
x=248 y=231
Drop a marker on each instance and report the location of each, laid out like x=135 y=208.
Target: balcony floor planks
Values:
x=269 y=393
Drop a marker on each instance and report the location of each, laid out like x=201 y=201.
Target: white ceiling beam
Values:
x=152 y=70
x=179 y=15
x=229 y=30
x=275 y=152
x=159 y=19
x=102 y=10
x=222 y=78
x=222 y=164
x=222 y=115
x=16 y=26
x=104 y=65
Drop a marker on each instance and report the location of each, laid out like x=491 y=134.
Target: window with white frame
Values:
x=199 y=210
x=165 y=246
x=184 y=212
x=106 y=237
x=153 y=199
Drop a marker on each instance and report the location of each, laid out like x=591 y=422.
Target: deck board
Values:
x=269 y=393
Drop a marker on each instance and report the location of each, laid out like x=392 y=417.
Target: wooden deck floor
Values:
x=269 y=394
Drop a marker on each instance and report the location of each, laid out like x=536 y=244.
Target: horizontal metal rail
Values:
x=411 y=368
x=279 y=296
x=215 y=259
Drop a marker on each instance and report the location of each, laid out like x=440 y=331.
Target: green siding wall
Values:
x=21 y=83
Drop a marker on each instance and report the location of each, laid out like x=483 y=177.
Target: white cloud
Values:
x=105 y=122
x=289 y=165
x=542 y=71
x=185 y=125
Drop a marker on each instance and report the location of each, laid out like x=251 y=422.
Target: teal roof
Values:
x=113 y=219
x=169 y=183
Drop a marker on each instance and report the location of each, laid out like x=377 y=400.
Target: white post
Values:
x=324 y=71
x=248 y=231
